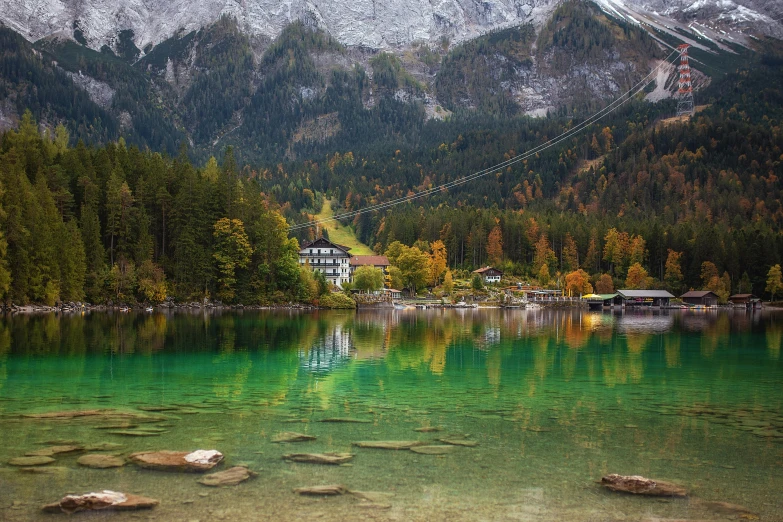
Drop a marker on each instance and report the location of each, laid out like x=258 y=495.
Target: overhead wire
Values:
x=616 y=104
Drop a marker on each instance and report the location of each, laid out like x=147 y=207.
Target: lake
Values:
x=553 y=399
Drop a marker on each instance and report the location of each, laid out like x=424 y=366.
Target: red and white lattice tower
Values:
x=685 y=91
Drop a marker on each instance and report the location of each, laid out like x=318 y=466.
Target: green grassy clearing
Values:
x=340 y=234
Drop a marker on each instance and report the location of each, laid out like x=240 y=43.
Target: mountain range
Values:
x=298 y=78
x=362 y=23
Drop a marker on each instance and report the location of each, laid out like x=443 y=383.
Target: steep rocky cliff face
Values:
x=368 y=23
x=375 y=24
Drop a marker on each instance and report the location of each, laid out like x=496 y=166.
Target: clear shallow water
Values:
x=555 y=399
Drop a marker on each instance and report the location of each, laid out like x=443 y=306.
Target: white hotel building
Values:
x=324 y=256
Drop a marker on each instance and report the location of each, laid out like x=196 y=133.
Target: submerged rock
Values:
x=230 y=477
x=54 y=450
x=460 y=442
x=375 y=505
x=99 y=461
x=346 y=419
x=319 y=458
x=105 y=415
x=200 y=460
x=433 y=450
x=639 y=485
x=372 y=496
x=45 y=470
x=31 y=461
x=290 y=436
x=389 y=444
x=66 y=414
x=135 y=433
x=104 y=446
x=336 y=489
x=427 y=429
x=117 y=426
x=725 y=508
x=99 y=501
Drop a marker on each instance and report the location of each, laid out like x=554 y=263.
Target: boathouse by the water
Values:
x=598 y=301
x=747 y=300
x=700 y=298
x=643 y=297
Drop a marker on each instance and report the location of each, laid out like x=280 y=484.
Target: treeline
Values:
x=117 y=224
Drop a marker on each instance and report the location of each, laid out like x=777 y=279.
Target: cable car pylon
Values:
x=685 y=91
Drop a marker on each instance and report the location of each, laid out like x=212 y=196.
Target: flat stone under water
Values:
x=513 y=415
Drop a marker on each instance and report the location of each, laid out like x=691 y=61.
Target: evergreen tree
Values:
x=73 y=267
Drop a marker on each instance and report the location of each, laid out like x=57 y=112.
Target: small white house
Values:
x=489 y=274
x=330 y=258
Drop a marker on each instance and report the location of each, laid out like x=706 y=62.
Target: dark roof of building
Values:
x=644 y=294
x=322 y=242
x=698 y=294
x=487 y=269
x=369 y=261
x=743 y=296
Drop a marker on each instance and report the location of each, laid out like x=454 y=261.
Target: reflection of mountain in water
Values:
x=332 y=350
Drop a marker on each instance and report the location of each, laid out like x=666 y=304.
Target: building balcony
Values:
x=307 y=254
x=318 y=262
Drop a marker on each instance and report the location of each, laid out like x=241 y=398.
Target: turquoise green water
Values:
x=554 y=399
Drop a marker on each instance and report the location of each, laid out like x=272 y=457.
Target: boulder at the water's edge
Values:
x=105 y=500
x=195 y=461
x=638 y=485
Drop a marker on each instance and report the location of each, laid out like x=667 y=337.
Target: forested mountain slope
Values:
x=305 y=94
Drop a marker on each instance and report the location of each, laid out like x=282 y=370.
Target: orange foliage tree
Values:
x=437 y=262
x=577 y=282
x=673 y=275
x=637 y=277
x=495 y=246
x=604 y=285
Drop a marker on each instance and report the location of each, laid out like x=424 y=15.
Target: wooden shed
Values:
x=746 y=300
x=700 y=298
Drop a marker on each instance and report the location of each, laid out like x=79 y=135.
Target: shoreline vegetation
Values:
x=169 y=306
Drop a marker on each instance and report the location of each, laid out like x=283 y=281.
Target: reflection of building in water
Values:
x=492 y=335
x=645 y=323
x=332 y=350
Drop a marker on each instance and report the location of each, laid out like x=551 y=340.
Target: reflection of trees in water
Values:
x=535 y=345
x=713 y=334
x=5 y=347
x=774 y=336
x=671 y=348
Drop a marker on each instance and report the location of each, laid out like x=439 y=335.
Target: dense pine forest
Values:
x=114 y=224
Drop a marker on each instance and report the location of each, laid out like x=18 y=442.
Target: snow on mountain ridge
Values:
x=376 y=24
x=368 y=23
